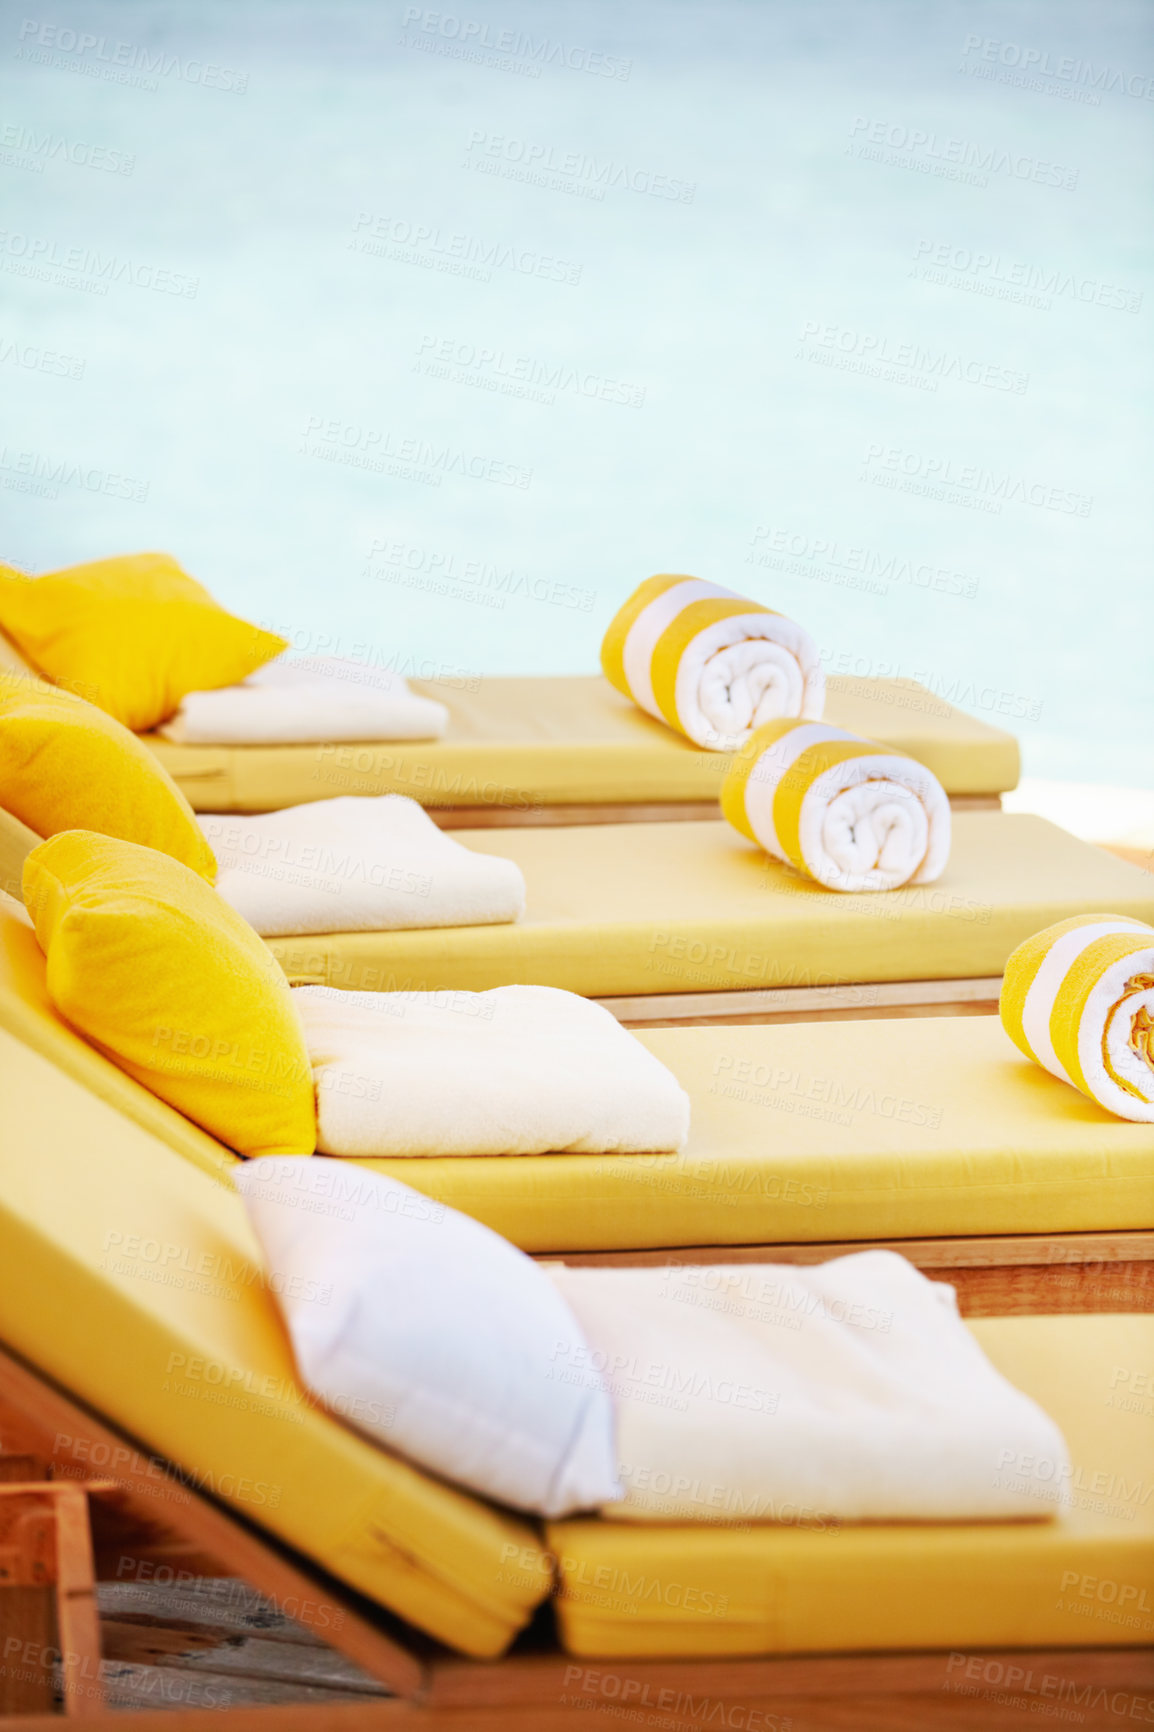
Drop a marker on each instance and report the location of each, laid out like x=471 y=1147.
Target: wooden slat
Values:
x=928 y=1692
x=632 y=812
x=525 y=1680
x=810 y=1003
x=77 y=1618
x=145 y=1642
x=223 y=1605
x=27 y=1636
x=1004 y=1276
x=131 y=1686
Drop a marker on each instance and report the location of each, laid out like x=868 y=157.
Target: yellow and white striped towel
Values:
x=846 y=811
x=1078 y=999
x=710 y=663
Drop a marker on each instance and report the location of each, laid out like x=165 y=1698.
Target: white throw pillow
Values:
x=432 y=1334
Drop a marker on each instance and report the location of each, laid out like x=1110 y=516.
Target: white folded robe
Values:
x=846 y=1391
x=301 y=702
x=520 y=1070
x=374 y=863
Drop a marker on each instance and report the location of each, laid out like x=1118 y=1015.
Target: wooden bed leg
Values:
x=77 y=1612
x=49 y=1623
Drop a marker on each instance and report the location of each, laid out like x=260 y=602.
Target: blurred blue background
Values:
x=437 y=331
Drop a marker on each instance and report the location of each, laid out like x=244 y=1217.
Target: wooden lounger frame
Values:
x=1007 y=1275
x=633 y=812
x=853 y=1002
x=534 y=1689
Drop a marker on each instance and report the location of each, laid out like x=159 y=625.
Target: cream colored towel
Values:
x=520 y=1070
x=304 y=701
x=376 y=863
x=843 y=1391
x=1078 y=999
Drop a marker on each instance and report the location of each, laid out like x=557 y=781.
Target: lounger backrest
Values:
x=27 y=1012
x=133 y=1279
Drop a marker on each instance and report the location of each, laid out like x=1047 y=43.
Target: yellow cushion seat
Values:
x=622 y=909
x=810 y=1132
x=684 y=1591
x=518 y=742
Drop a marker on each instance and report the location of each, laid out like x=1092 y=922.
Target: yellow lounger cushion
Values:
x=698 y=1591
x=147 y=961
x=812 y=1132
x=659 y=908
x=66 y=765
x=516 y=743
x=135 y=1281
x=131 y=634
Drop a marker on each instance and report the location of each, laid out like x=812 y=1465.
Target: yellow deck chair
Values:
x=196 y=1367
x=569 y=749
x=933 y=1135
x=690 y=922
x=572 y=750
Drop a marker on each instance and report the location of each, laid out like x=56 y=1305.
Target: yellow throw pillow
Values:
x=153 y=967
x=133 y=635
x=65 y=765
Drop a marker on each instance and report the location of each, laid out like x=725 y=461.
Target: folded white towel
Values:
x=305 y=701
x=376 y=863
x=848 y=1391
x=520 y=1070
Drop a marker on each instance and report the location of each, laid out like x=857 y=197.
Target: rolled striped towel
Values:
x=1078 y=999
x=710 y=663
x=846 y=811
